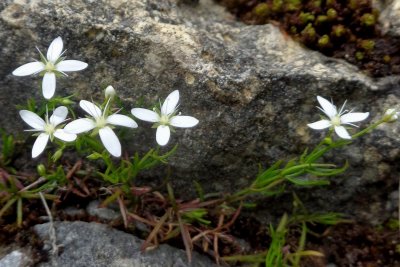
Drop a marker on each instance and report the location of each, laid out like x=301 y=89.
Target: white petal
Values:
x=342 y=132
x=110 y=141
x=59 y=115
x=65 y=136
x=90 y=108
x=32 y=119
x=162 y=135
x=121 y=120
x=80 y=126
x=29 y=69
x=145 y=114
x=55 y=49
x=328 y=108
x=170 y=103
x=71 y=65
x=318 y=125
x=184 y=121
x=49 y=85
x=354 y=117
x=40 y=144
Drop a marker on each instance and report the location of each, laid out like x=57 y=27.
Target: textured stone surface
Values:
x=252 y=88
x=97 y=245
x=16 y=258
x=390 y=17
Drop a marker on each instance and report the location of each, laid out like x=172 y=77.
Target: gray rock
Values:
x=16 y=258
x=252 y=88
x=105 y=214
x=97 y=245
x=390 y=17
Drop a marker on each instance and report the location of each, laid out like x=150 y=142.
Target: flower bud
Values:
x=66 y=101
x=94 y=156
x=41 y=169
x=109 y=92
x=328 y=141
x=391 y=115
x=57 y=155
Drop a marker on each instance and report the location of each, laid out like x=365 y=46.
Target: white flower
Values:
x=101 y=122
x=50 y=66
x=165 y=118
x=337 y=119
x=47 y=128
x=109 y=92
x=391 y=115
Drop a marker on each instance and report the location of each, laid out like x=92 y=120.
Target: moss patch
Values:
x=346 y=29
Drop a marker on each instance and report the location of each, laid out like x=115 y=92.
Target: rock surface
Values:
x=390 y=17
x=252 y=88
x=16 y=258
x=97 y=245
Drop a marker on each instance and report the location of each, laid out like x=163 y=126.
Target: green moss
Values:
x=330 y=3
x=338 y=31
x=387 y=59
x=324 y=41
x=308 y=32
x=367 y=45
x=331 y=14
x=262 y=10
x=353 y=4
x=359 y=55
x=316 y=3
x=277 y=5
x=321 y=19
x=292 y=5
x=368 y=19
x=306 y=17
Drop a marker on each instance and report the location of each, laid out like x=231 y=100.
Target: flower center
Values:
x=50 y=67
x=101 y=122
x=49 y=128
x=335 y=121
x=164 y=120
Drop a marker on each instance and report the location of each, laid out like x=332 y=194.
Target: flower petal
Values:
x=55 y=50
x=40 y=144
x=29 y=69
x=49 y=85
x=110 y=141
x=354 y=117
x=32 y=119
x=65 y=136
x=184 y=121
x=318 y=125
x=71 y=65
x=162 y=135
x=145 y=114
x=90 y=108
x=59 y=115
x=80 y=126
x=328 y=108
x=170 y=103
x=121 y=120
x=342 y=132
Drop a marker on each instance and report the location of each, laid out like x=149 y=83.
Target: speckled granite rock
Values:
x=390 y=17
x=252 y=88
x=97 y=245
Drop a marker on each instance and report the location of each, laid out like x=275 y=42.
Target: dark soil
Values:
x=347 y=244
x=346 y=29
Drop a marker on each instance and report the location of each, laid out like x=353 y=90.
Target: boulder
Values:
x=97 y=245
x=252 y=88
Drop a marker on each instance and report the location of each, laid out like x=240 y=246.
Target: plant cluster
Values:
x=203 y=222
x=347 y=29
